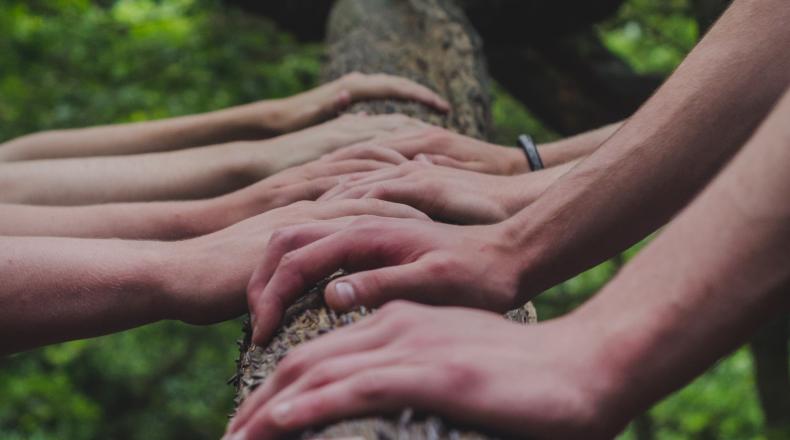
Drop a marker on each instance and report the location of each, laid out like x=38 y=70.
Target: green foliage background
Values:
x=68 y=63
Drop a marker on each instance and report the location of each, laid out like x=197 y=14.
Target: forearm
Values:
x=251 y=121
x=522 y=190
x=57 y=289
x=145 y=220
x=664 y=153
x=718 y=272
x=187 y=174
x=153 y=220
x=575 y=147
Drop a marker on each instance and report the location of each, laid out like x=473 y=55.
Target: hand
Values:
x=326 y=101
x=206 y=277
x=434 y=263
x=443 y=147
x=304 y=182
x=544 y=381
x=269 y=157
x=446 y=194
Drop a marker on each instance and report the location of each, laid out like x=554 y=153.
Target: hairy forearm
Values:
x=251 y=121
x=57 y=289
x=575 y=147
x=665 y=153
x=718 y=272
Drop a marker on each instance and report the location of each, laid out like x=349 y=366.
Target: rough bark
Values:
x=545 y=57
x=431 y=42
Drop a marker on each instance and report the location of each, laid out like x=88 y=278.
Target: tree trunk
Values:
x=431 y=42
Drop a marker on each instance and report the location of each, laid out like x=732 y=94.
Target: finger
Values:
x=372 y=288
x=362 y=180
x=281 y=242
x=373 y=391
x=351 y=193
x=341 y=187
x=348 y=166
x=373 y=207
x=301 y=267
x=450 y=162
x=316 y=363
x=380 y=86
x=368 y=151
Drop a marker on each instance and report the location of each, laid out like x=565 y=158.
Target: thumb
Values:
x=373 y=288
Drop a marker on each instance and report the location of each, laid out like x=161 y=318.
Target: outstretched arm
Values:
x=57 y=289
x=718 y=272
x=440 y=146
x=644 y=174
x=180 y=219
x=664 y=154
x=186 y=174
x=246 y=122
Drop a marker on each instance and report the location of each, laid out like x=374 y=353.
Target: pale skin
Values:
x=584 y=375
x=57 y=289
x=184 y=174
x=246 y=122
x=632 y=184
x=180 y=219
x=450 y=195
x=462 y=180
x=443 y=147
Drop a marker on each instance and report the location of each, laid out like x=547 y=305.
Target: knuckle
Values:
x=459 y=375
x=281 y=237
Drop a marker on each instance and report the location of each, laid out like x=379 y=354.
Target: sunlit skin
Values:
x=451 y=195
x=184 y=174
x=653 y=328
x=443 y=147
x=59 y=289
x=246 y=122
x=181 y=219
x=642 y=176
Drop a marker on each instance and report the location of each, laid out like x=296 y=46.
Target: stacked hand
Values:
x=470 y=366
x=434 y=263
x=442 y=147
x=264 y=158
x=447 y=194
x=326 y=101
x=206 y=277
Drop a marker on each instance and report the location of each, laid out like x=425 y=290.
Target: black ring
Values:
x=531 y=151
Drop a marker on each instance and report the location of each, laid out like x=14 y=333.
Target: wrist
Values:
x=196 y=287
x=614 y=349
x=518 y=191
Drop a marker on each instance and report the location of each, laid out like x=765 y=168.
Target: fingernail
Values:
x=345 y=294
x=281 y=412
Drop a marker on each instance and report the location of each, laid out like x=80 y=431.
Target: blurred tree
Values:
x=66 y=63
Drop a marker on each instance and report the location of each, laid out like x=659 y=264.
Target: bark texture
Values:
x=429 y=41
